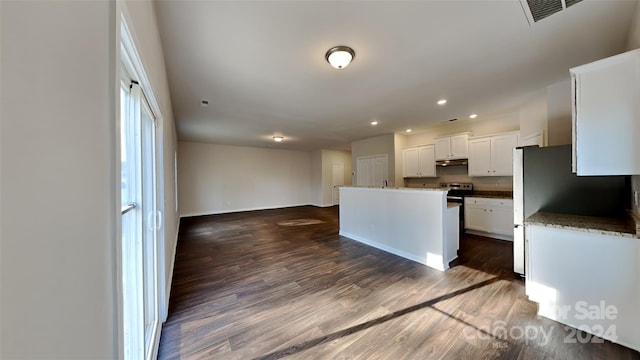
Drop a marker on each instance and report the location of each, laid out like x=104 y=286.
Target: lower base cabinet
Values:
x=493 y=217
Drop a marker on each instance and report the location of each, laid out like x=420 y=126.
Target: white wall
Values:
x=316 y=189
x=399 y=143
x=378 y=145
x=60 y=88
x=559 y=113
x=220 y=178
x=483 y=125
x=533 y=115
x=58 y=211
x=634 y=43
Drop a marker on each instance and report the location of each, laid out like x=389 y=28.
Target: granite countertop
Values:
x=396 y=188
x=624 y=225
x=492 y=194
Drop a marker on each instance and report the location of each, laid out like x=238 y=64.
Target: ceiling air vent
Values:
x=536 y=10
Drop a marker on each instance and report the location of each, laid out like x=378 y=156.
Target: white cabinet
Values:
x=419 y=161
x=492 y=155
x=452 y=147
x=533 y=139
x=606 y=116
x=491 y=216
x=575 y=271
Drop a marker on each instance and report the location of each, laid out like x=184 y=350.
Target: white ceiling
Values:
x=261 y=64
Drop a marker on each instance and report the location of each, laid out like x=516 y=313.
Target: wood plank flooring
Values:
x=246 y=287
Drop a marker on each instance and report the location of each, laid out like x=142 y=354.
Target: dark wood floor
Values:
x=282 y=283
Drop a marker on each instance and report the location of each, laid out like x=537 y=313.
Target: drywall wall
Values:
x=216 y=179
x=378 y=145
x=633 y=41
x=533 y=115
x=559 y=113
x=59 y=150
x=480 y=126
x=399 y=143
x=330 y=157
x=143 y=25
x=59 y=208
x=315 y=194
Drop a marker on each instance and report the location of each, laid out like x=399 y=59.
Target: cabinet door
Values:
x=475 y=217
x=502 y=154
x=501 y=214
x=410 y=162
x=443 y=148
x=426 y=161
x=475 y=214
x=480 y=157
x=606 y=114
x=459 y=147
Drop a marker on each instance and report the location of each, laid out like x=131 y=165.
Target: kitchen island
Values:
x=417 y=224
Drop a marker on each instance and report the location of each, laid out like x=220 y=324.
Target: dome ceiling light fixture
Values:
x=340 y=56
x=278 y=138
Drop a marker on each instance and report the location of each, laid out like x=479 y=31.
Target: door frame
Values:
x=129 y=63
x=333 y=184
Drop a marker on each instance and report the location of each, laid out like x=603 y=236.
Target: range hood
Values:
x=452 y=162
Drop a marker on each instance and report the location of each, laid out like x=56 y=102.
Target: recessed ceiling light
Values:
x=442 y=101
x=408 y=130
x=473 y=116
x=374 y=123
x=278 y=138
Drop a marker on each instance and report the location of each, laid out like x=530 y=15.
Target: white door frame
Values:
x=335 y=194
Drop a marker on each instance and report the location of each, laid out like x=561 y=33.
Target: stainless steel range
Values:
x=456 y=194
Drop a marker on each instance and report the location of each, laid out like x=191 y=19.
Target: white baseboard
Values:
x=490 y=235
x=249 y=209
x=170 y=281
x=404 y=254
x=230 y=211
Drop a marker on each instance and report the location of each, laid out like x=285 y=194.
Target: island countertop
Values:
x=626 y=226
x=396 y=188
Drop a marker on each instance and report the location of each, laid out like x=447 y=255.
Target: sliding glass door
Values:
x=141 y=222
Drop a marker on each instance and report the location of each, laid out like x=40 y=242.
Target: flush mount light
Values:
x=374 y=123
x=473 y=116
x=340 y=56
x=278 y=138
x=442 y=101
x=204 y=103
x=408 y=130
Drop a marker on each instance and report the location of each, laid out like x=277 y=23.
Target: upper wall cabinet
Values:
x=419 y=161
x=492 y=155
x=606 y=116
x=452 y=147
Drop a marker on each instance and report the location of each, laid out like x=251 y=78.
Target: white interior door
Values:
x=337 y=181
x=380 y=171
x=372 y=170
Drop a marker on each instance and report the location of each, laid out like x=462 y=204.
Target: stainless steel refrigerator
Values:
x=543 y=181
